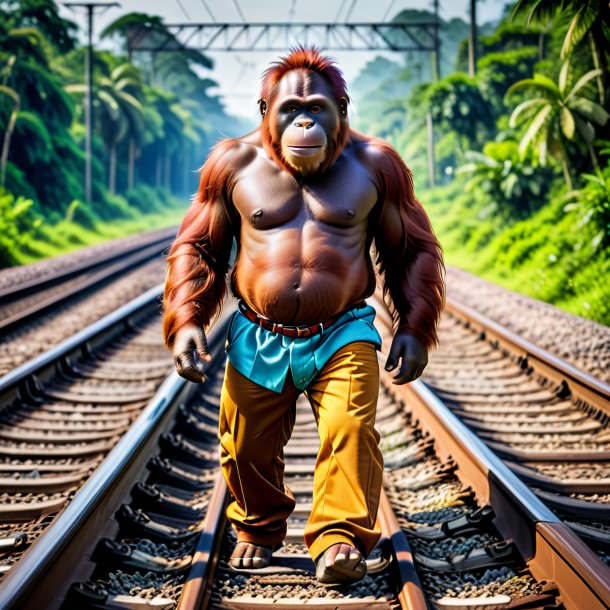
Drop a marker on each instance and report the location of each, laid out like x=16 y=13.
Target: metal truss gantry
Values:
x=240 y=37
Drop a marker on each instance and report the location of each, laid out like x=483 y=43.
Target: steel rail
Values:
x=41 y=577
x=44 y=365
x=24 y=288
x=198 y=587
x=100 y=271
x=582 y=385
x=552 y=550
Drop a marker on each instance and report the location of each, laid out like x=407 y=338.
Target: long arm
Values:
x=198 y=259
x=410 y=259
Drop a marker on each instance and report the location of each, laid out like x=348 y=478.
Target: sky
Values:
x=238 y=74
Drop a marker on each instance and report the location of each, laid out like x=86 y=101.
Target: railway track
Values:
x=61 y=414
x=147 y=530
x=546 y=419
x=54 y=284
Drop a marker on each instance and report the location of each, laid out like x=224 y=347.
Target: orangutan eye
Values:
x=292 y=108
x=315 y=109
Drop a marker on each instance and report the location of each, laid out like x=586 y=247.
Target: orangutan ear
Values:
x=262 y=104
x=343 y=106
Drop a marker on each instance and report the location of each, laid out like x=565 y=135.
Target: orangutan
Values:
x=305 y=198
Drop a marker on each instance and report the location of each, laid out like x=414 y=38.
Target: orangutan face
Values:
x=305 y=120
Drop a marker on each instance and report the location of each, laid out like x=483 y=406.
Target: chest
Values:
x=268 y=198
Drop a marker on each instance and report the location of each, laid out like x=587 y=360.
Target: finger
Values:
x=186 y=368
x=406 y=372
x=392 y=361
x=192 y=374
x=201 y=345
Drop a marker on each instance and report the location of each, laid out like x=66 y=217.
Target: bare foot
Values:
x=340 y=564
x=250 y=556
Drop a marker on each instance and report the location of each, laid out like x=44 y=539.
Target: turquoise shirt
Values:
x=265 y=357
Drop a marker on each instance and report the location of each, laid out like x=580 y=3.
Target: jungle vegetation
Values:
x=522 y=149
x=154 y=121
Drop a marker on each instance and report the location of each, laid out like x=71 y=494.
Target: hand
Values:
x=189 y=339
x=414 y=357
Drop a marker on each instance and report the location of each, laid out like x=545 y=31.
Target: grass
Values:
x=66 y=236
x=550 y=256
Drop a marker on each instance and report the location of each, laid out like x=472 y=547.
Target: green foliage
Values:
x=592 y=204
x=498 y=71
x=147 y=199
x=511 y=185
x=18 y=223
x=551 y=255
x=44 y=17
x=557 y=113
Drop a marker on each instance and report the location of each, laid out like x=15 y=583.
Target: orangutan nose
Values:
x=305 y=123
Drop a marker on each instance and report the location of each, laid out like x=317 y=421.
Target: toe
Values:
x=248 y=555
x=342 y=557
x=236 y=559
x=354 y=559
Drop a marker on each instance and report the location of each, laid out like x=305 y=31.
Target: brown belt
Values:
x=293 y=331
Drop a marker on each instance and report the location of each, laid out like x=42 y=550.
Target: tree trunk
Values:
x=593 y=159
x=132 y=163
x=166 y=173
x=185 y=168
x=112 y=170
x=158 y=172
x=431 y=163
x=597 y=65
x=6 y=144
x=472 y=40
x=566 y=173
x=541 y=46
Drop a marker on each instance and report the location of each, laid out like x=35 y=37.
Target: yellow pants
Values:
x=256 y=423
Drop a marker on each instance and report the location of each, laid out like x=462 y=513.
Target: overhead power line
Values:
x=340 y=9
x=349 y=13
x=241 y=14
x=183 y=10
x=207 y=8
x=385 y=15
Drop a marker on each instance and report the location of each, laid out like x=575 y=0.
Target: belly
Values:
x=296 y=285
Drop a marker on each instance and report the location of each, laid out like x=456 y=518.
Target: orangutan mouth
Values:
x=304 y=151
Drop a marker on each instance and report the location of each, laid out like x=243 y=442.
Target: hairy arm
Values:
x=410 y=261
x=198 y=260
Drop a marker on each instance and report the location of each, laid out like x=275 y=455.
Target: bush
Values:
x=146 y=198
x=18 y=223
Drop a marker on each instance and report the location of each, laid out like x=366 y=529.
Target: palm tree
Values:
x=589 y=18
x=121 y=112
x=557 y=114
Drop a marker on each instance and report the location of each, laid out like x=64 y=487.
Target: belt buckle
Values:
x=303 y=331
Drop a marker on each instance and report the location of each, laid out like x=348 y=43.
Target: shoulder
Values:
x=234 y=153
x=375 y=153
x=382 y=161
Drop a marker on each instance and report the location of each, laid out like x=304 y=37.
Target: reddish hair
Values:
x=409 y=257
x=408 y=254
x=304 y=58
x=198 y=259
x=308 y=59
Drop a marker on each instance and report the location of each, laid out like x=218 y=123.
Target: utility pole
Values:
x=436 y=58
x=472 y=40
x=90 y=8
x=436 y=75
